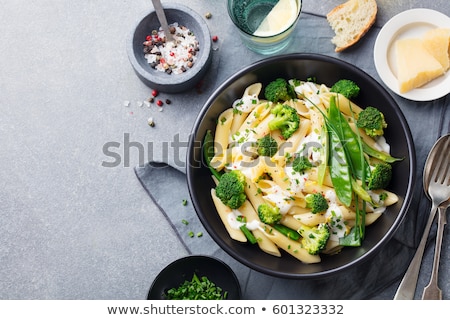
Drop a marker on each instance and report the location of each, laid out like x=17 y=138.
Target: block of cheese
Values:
x=437 y=42
x=415 y=65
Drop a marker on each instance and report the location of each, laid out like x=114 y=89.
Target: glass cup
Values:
x=265 y=26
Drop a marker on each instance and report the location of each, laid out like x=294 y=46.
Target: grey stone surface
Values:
x=75 y=222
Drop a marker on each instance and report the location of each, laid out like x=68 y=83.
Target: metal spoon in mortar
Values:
x=162 y=19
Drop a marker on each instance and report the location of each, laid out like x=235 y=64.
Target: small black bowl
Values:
x=170 y=83
x=184 y=268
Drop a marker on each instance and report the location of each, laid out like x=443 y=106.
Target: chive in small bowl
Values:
x=211 y=272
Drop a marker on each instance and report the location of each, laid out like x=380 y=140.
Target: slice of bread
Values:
x=350 y=21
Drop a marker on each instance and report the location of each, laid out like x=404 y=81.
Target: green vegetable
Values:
x=288 y=232
x=353 y=239
x=316 y=202
x=269 y=214
x=184 y=202
x=279 y=90
x=199 y=288
x=301 y=164
x=361 y=192
x=349 y=139
x=339 y=169
x=231 y=189
x=347 y=88
x=286 y=120
x=208 y=152
x=372 y=121
x=314 y=239
x=324 y=153
x=248 y=234
x=267 y=146
x=380 y=176
x=383 y=156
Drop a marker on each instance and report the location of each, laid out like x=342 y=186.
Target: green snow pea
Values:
x=348 y=138
x=339 y=168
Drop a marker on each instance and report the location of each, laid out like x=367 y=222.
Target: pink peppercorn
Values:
x=215 y=38
x=159 y=103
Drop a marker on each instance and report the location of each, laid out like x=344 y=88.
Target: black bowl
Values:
x=184 y=268
x=170 y=83
x=325 y=70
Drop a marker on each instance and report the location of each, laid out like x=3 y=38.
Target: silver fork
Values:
x=436 y=184
x=432 y=290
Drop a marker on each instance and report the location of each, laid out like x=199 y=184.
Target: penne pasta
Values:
x=300 y=168
x=224 y=213
x=290 y=246
x=264 y=243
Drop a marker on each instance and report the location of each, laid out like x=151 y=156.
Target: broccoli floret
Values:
x=380 y=176
x=316 y=202
x=279 y=90
x=301 y=164
x=267 y=146
x=347 y=88
x=372 y=121
x=286 y=119
x=231 y=189
x=269 y=214
x=314 y=239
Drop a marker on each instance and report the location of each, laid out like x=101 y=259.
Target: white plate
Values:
x=409 y=24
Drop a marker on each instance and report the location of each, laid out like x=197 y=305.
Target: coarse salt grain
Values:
x=174 y=57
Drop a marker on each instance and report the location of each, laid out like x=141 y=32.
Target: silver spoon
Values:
x=162 y=19
x=436 y=166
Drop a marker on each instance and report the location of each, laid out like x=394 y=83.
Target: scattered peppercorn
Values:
x=155 y=93
x=150 y=99
x=208 y=15
x=159 y=103
x=150 y=122
x=215 y=38
x=168 y=101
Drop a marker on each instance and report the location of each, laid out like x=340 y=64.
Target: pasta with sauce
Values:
x=273 y=180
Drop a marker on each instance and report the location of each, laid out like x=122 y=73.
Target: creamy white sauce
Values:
x=334 y=216
x=247 y=103
x=235 y=224
x=382 y=145
x=279 y=198
x=296 y=179
x=310 y=91
x=336 y=222
x=310 y=147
